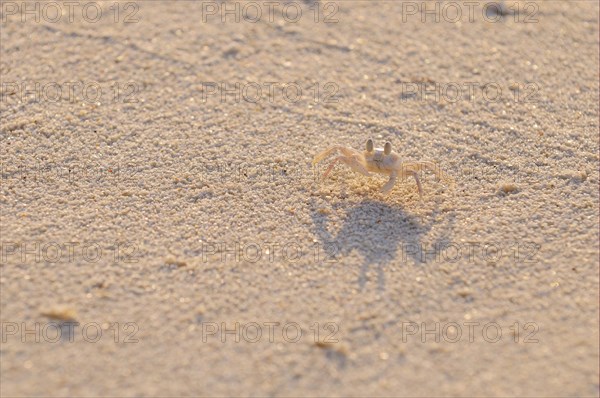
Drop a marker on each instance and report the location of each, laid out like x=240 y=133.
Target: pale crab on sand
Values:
x=381 y=161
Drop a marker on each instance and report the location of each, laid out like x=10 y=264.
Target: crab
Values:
x=378 y=160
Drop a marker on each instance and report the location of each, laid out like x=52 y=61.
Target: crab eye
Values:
x=369 y=145
x=387 y=148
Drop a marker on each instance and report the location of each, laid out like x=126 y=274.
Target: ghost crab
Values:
x=378 y=160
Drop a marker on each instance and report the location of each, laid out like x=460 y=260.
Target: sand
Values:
x=146 y=230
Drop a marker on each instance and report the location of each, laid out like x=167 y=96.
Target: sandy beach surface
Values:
x=164 y=232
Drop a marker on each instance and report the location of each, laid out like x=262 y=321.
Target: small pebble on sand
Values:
x=60 y=314
x=508 y=187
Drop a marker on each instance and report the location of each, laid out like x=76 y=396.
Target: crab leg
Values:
x=348 y=152
x=391 y=182
x=331 y=165
x=416 y=175
x=352 y=162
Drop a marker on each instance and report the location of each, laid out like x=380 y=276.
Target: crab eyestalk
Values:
x=387 y=148
x=369 y=145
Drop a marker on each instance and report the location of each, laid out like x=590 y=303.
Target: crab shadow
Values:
x=380 y=233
